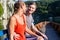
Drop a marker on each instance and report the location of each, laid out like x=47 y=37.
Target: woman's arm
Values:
x=30 y=32
x=36 y=30
x=11 y=27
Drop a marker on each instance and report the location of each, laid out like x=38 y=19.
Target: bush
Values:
x=1 y=10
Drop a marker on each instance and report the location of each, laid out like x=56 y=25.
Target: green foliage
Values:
x=30 y=0
x=1 y=10
x=48 y=1
x=54 y=8
x=1 y=26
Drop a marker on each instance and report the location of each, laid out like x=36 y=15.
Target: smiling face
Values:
x=31 y=8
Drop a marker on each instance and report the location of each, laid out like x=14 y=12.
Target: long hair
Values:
x=17 y=5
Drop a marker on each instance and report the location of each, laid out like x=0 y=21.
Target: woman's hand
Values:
x=16 y=36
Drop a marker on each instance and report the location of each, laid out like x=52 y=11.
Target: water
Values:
x=51 y=33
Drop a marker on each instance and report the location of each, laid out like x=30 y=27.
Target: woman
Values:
x=17 y=23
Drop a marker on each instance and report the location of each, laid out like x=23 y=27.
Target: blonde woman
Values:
x=17 y=25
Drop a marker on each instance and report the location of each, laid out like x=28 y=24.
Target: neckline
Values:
x=18 y=21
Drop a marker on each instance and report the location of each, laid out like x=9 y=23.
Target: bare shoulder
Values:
x=25 y=16
x=12 y=18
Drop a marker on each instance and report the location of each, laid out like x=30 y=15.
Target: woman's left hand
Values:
x=16 y=36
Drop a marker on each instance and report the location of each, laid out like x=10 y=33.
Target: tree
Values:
x=1 y=10
x=30 y=0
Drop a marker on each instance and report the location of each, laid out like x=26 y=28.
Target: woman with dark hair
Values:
x=17 y=25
